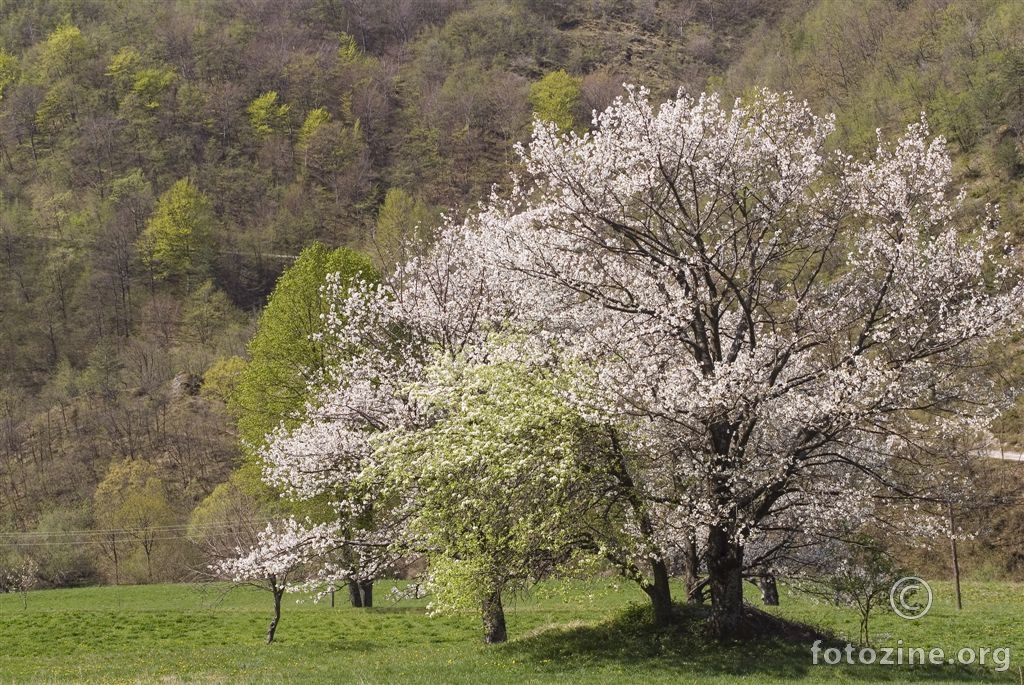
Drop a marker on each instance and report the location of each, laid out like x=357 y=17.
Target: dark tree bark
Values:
x=278 y=592
x=494 y=619
x=660 y=593
x=113 y=553
x=725 y=572
x=355 y=596
x=360 y=593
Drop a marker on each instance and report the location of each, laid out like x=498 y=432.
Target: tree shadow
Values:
x=780 y=650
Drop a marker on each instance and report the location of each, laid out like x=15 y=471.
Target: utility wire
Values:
x=84 y=537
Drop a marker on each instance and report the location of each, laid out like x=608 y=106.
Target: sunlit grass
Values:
x=573 y=632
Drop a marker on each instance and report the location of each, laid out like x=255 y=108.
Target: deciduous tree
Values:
x=778 y=323
x=177 y=243
x=292 y=345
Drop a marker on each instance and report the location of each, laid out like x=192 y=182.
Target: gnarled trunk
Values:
x=660 y=593
x=725 y=573
x=494 y=619
x=366 y=587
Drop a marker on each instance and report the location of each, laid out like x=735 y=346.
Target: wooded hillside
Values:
x=162 y=163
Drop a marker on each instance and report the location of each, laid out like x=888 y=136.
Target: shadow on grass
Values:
x=782 y=651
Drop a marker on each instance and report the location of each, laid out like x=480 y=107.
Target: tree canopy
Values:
x=288 y=354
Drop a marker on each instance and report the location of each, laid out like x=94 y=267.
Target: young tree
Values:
x=555 y=98
x=270 y=561
x=857 y=573
x=402 y=222
x=131 y=506
x=232 y=518
x=502 y=491
x=266 y=116
x=290 y=351
x=177 y=243
x=778 y=322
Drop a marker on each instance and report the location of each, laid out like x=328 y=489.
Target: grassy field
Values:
x=563 y=633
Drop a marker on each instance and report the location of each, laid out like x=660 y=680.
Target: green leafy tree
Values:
x=556 y=97
x=122 y=67
x=150 y=84
x=312 y=123
x=221 y=378
x=208 y=311
x=348 y=49
x=60 y=560
x=286 y=361
x=232 y=516
x=64 y=50
x=502 y=483
x=9 y=70
x=177 y=243
x=131 y=506
x=402 y=221
x=267 y=116
x=314 y=120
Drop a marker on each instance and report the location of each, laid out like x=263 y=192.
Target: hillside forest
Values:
x=163 y=164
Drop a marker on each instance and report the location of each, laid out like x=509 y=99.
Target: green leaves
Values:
x=314 y=120
x=288 y=354
x=9 y=70
x=177 y=243
x=62 y=52
x=402 y=220
x=555 y=98
x=266 y=116
x=494 y=477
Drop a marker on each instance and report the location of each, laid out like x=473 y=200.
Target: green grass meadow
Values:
x=568 y=632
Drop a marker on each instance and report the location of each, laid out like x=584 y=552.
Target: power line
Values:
x=87 y=531
x=96 y=536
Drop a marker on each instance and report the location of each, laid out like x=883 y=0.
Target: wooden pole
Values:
x=956 y=558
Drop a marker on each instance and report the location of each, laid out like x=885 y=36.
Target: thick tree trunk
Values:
x=494 y=620
x=660 y=593
x=278 y=592
x=355 y=595
x=769 y=590
x=725 y=572
x=360 y=593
